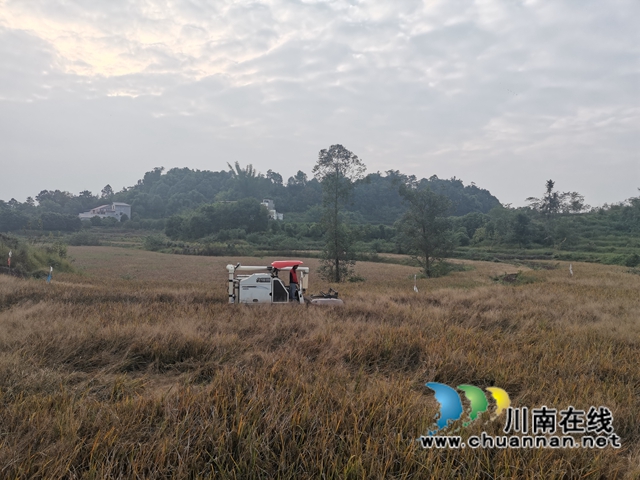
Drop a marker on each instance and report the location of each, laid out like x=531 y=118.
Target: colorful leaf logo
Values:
x=451 y=404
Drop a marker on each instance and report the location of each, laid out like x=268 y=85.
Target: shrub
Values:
x=632 y=260
x=232 y=234
x=110 y=222
x=154 y=243
x=356 y=278
x=84 y=238
x=29 y=260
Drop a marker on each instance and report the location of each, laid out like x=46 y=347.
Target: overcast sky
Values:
x=506 y=94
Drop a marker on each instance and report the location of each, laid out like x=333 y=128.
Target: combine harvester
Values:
x=264 y=285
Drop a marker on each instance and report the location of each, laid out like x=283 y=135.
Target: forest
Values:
x=215 y=212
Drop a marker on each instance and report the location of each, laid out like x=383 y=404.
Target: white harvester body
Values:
x=264 y=285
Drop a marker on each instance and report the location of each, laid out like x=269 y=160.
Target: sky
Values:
x=503 y=93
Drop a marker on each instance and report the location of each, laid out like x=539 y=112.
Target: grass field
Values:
x=136 y=367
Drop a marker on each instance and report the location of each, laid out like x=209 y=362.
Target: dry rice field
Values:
x=136 y=367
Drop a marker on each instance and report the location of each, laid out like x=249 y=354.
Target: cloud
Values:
x=506 y=94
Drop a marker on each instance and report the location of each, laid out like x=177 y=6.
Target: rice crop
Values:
x=136 y=366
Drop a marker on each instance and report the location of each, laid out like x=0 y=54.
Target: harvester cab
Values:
x=264 y=285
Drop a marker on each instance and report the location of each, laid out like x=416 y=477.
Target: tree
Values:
x=239 y=172
x=247 y=215
x=549 y=204
x=150 y=178
x=274 y=177
x=425 y=225
x=554 y=202
x=337 y=169
x=299 y=179
x=59 y=221
x=573 y=202
x=245 y=180
x=107 y=192
x=557 y=230
x=521 y=229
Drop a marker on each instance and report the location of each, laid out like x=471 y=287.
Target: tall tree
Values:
x=425 y=225
x=555 y=207
x=274 y=177
x=337 y=168
x=246 y=181
x=299 y=179
x=107 y=192
x=554 y=202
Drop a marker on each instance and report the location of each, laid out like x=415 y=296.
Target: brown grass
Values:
x=137 y=368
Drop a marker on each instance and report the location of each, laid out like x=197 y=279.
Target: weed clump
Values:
x=28 y=260
x=514 y=279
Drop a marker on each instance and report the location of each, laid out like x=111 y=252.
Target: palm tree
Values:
x=245 y=180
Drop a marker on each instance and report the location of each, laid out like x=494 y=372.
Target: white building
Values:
x=272 y=209
x=115 y=210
